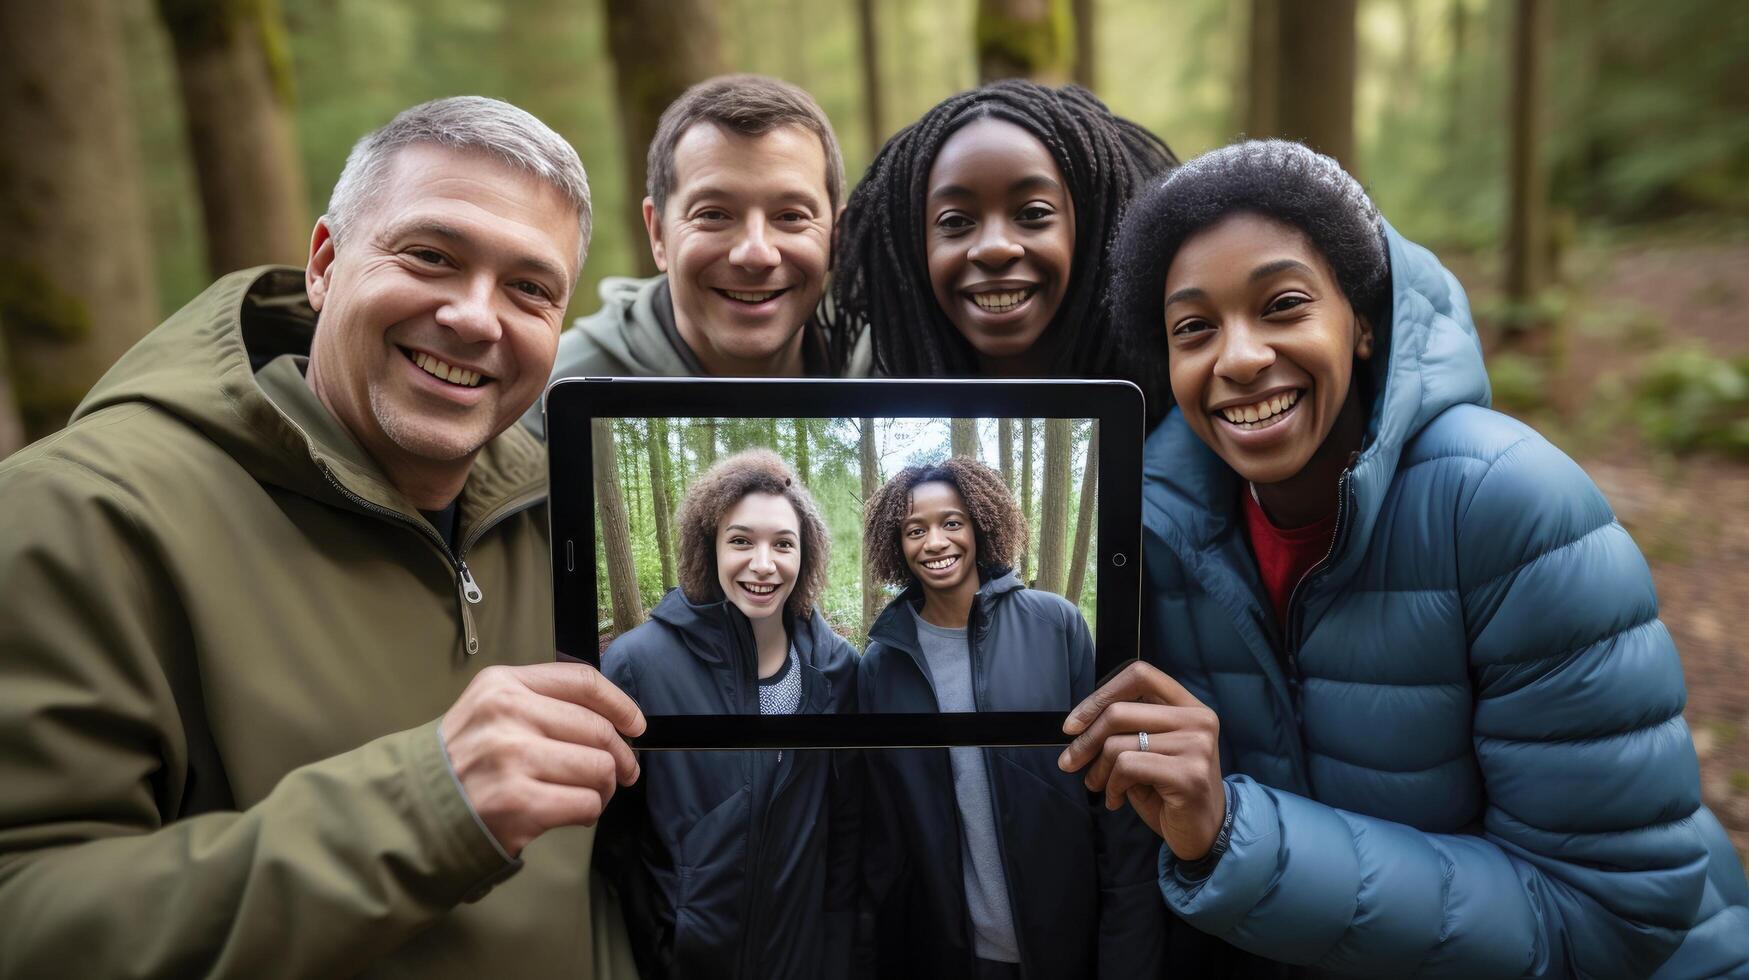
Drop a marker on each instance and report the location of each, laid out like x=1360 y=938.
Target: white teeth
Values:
x=1254 y=416
x=446 y=372
x=759 y=589
x=940 y=563
x=1000 y=302
x=751 y=297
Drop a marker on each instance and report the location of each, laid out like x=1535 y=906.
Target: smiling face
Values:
x=745 y=237
x=1261 y=344
x=1000 y=237
x=759 y=554
x=940 y=548
x=440 y=312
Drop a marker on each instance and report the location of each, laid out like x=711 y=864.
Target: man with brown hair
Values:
x=745 y=184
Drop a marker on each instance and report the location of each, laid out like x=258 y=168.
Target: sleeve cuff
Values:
x=452 y=796
x=1196 y=872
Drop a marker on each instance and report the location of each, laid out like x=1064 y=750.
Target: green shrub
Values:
x=1690 y=398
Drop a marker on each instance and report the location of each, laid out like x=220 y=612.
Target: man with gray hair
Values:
x=276 y=690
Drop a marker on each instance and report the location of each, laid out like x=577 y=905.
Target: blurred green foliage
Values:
x=1646 y=104
x=1689 y=398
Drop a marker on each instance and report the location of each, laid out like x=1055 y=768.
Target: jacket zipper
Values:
x=755 y=829
x=1291 y=641
x=467 y=590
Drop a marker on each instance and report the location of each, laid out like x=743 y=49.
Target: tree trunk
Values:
x=1302 y=74
x=869 y=41
x=616 y=539
x=709 y=458
x=234 y=64
x=11 y=426
x=76 y=278
x=963 y=438
x=1026 y=497
x=1262 y=68
x=1053 y=521
x=871 y=481
x=1460 y=31
x=1084 y=516
x=658 y=444
x=1527 y=226
x=1005 y=446
x=1024 y=39
x=1086 y=20
x=658 y=50
x=803 y=470
x=626 y=440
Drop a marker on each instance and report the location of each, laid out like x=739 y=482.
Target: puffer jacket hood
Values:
x=1463 y=753
x=1427 y=359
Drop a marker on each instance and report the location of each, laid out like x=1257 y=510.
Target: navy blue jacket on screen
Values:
x=732 y=864
x=1465 y=754
x=1081 y=881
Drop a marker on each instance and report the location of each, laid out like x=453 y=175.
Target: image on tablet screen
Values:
x=1047 y=466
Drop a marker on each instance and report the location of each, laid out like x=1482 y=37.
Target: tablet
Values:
x=629 y=457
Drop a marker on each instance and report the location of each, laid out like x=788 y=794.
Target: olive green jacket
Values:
x=225 y=642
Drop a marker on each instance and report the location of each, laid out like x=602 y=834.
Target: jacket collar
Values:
x=1428 y=359
x=721 y=637
x=895 y=626
x=230 y=364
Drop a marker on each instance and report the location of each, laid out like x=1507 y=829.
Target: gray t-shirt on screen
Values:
x=950 y=665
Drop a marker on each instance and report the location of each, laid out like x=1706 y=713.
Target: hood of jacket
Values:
x=625 y=335
x=626 y=338
x=221 y=365
x=715 y=632
x=1428 y=358
x=896 y=628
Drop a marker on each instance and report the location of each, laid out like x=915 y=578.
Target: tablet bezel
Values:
x=571 y=404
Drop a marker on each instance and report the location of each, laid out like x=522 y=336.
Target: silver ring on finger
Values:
x=1142 y=741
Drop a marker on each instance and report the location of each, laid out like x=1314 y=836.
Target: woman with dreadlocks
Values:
x=987 y=862
x=977 y=242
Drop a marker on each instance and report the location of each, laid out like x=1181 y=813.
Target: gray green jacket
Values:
x=628 y=338
x=225 y=642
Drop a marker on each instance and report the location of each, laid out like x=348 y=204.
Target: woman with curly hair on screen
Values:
x=986 y=862
x=738 y=864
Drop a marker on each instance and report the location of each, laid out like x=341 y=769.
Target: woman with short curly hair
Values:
x=1407 y=706
x=741 y=635
x=988 y=862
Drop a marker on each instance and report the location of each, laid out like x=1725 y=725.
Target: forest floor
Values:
x=1688 y=513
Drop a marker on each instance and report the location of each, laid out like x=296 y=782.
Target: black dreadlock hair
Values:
x=882 y=279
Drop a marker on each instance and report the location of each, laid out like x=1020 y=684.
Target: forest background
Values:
x=644 y=467
x=1582 y=165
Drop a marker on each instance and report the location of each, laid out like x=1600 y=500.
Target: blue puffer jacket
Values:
x=1465 y=755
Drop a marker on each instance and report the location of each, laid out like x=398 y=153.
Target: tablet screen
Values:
x=801 y=575
x=1045 y=502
